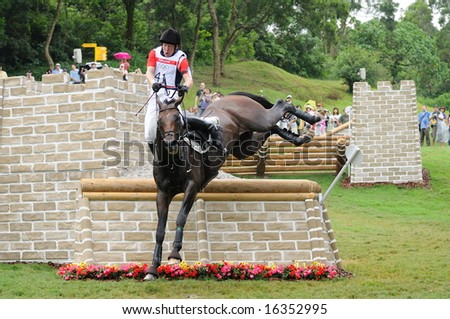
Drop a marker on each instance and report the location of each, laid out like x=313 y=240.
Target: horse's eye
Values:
x=177 y=118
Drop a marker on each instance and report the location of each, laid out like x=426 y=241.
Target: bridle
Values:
x=171 y=133
x=172 y=138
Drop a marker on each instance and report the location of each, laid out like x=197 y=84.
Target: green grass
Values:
x=394 y=240
x=274 y=83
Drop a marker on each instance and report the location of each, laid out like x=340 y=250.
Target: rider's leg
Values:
x=150 y=123
x=214 y=130
x=151 y=147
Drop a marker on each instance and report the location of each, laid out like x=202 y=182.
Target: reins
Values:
x=180 y=134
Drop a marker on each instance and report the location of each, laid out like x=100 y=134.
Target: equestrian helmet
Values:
x=170 y=36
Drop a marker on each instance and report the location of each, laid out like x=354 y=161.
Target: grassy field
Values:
x=274 y=83
x=394 y=240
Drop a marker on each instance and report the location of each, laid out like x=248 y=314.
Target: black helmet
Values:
x=170 y=36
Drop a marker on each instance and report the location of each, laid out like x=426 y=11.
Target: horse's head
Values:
x=170 y=123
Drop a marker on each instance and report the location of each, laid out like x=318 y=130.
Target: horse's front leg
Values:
x=188 y=201
x=163 y=200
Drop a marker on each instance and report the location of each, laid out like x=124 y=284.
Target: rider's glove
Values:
x=156 y=86
x=182 y=90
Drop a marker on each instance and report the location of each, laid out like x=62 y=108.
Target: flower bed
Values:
x=219 y=271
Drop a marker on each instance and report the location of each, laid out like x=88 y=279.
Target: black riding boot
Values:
x=151 y=146
x=214 y=131
x=216 y=136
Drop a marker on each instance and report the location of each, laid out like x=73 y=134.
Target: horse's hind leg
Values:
x=292 y=137
x=311 y=119
x=162 y=201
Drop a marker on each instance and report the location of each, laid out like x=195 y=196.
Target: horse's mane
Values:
x=258 y=98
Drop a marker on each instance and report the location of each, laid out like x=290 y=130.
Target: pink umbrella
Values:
x=122 y=56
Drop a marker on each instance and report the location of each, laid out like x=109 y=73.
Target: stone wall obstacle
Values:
x=55 y=134
x=277 y=221
x=384 y=127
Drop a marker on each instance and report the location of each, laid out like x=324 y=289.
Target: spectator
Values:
x=57 y=69
x=442 y=127
x=198 y=94
x=433 y=124
x=448 y=122
x=335 y=118
x=292 y=124
x=29 y=76
x=216 y=96
x=93 y=66
x=346 y=116
x=205 y=101
x=82 y=74
x=74 y=74
x=321 y=126
x=424 y=126
x=124 y=67
x=3 y=74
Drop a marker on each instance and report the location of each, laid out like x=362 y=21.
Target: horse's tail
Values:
x=258 y=98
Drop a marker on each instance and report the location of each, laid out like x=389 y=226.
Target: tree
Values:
x=240 y=18
x=48 y=40
x=351 y=59
x=130 y=6
x=199 y=15
x=215 y=49
x=325 y=20
x=421 y=15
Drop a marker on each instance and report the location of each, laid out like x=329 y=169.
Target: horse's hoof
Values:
x=150 y=277
x=173 y=261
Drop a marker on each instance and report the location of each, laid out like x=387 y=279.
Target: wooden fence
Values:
x=324 y=154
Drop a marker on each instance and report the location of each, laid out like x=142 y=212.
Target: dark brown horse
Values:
x=245 y=121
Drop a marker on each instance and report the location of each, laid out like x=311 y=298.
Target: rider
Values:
x=167 y=66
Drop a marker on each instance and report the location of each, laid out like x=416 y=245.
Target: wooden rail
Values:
x=217 y=190
x=278 y=156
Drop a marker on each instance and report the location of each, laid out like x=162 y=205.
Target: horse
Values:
x=245 y=121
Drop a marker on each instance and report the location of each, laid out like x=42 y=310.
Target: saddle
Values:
x=198 y=140
x=202 y=134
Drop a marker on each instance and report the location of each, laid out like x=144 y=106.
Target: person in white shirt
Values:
x=3 y=74
x=57 y=69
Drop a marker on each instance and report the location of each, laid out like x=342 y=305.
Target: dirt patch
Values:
x=146 y=171
x=425 y=184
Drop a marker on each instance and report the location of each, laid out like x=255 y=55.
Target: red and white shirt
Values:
x=168 y=70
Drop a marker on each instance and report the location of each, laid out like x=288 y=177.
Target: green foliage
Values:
x=441 y=100
x=307 y=38
x=407 y=52
x=351 y=59
x=274 y=83
x=298 y=54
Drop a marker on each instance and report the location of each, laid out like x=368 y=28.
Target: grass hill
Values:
x=274 y=83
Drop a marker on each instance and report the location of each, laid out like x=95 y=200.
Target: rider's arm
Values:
x=187 y=80
x=150 y=75
x=151 y=65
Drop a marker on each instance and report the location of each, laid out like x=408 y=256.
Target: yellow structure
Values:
x=100 y=53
